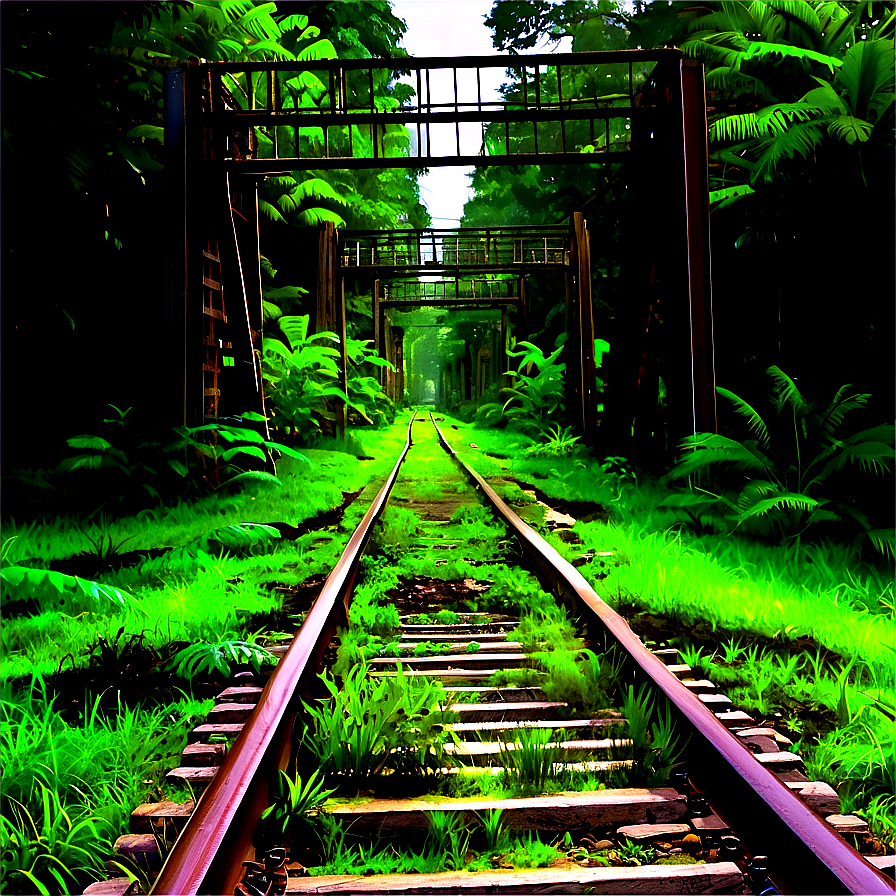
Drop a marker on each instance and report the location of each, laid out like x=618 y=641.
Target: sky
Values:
x=450 y=28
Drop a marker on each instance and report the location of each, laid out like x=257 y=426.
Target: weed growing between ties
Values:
x=820 y=614
x=107 y=619
x=450 y=843
x=389 y=728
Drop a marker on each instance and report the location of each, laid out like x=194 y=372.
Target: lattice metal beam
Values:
x=575 y=108
x=470 y=249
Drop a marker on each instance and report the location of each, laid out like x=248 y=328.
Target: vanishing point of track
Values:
x=805 y=854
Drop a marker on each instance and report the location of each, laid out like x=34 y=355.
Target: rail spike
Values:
x=265 y=878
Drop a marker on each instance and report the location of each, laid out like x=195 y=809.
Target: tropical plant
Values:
x=296 y=805
x=530 y=852
x=48 y=589
x=534 y=402
x=806 y=451
x=371 y=724
x=449 y=838
x=529 y=759
x=558 y=442
x=627 y=852
x=144 y=465
x=496 y=834
x=303 y=377
x=746 y=44
x=219 y=656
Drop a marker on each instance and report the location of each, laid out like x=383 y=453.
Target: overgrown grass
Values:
x=68 y=789
x=823 y=594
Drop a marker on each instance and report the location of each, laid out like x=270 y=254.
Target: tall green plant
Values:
x=370 y=724
x=781 y=497
x=303 y=376
x=536 y=398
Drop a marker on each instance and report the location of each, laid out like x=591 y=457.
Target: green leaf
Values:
x=87 y=441
x=148 y=132
x=756 y=422
x=250 y=450
x=788 y=392
x=791 y=500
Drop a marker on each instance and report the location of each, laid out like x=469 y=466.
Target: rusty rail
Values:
x=770 y=819
x=807 y=855
x=217 y=838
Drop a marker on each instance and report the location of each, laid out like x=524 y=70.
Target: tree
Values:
x=88 y=237
x=812 y=142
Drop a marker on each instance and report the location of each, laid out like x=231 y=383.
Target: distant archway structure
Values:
x=229 y=124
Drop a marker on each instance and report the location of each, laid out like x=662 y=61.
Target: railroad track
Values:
x=741 y=802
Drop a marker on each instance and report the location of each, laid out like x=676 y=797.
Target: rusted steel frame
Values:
x=696 y=188
x=407 y=236
x=217 y=838
x=806 y=853
x=420 y=63
x=384 y=271
x=260 y=167
x=459 y=303
x=582 y=373
x=326 y=119
x=176 y=143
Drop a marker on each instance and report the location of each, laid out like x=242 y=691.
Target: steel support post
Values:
x=580 y=370
x=176 y=175
x=696 y=177
x=377 y=330
x=341 y=406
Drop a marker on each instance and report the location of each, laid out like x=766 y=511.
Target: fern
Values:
x=786 y=471
x=218 y=656
x=50 y=588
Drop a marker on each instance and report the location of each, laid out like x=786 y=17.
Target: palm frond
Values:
x=884 y=541
x=799 y=11
x=757 y=424
x=789 y=500
x=841 y=406
x=269 y=311
x=825 y=98
x=316 y=216
x=872 y=457
x=852 y=130
x=717 y=450
x=788 y=393
x=762 y=49
x=269 y=211
x=734 y=127
x=867 y=74
x=801 y=139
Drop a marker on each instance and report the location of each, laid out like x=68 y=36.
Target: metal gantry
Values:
x=230 y=124
x=333 y=113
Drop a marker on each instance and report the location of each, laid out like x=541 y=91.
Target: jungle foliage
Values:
x=103 y=164
x=800 y=96
x=787 y=484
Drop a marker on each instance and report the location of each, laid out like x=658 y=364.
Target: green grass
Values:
x=68 y=785
x=820 y=598
x=68 y=788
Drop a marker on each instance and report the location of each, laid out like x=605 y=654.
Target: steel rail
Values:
x=217 y=838
x=807 y=854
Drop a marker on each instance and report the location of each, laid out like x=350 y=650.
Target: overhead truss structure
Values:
x=332 y=113
x=229 y=124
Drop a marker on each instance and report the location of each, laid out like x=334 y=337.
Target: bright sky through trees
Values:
x=451 y=28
